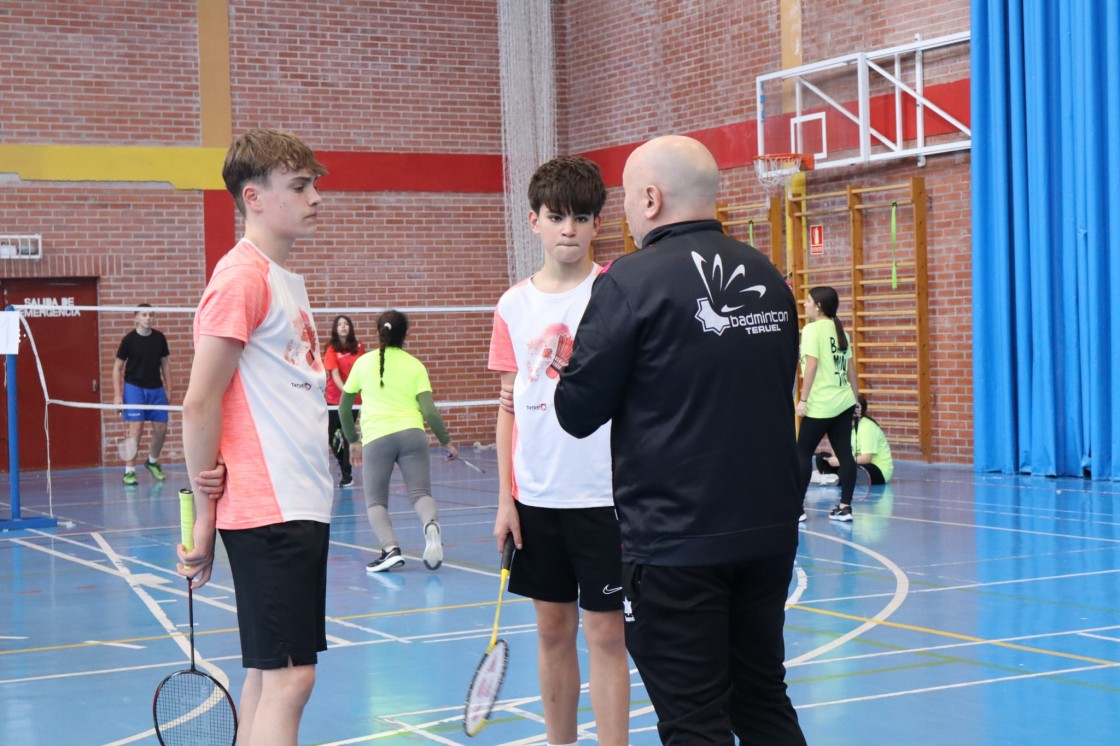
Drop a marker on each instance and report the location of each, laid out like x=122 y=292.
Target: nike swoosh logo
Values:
x=607 y=590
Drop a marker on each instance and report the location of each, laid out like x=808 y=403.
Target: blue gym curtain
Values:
x=1046 y=236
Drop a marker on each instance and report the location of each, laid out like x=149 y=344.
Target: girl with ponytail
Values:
x=828 y=396
x=396 y=402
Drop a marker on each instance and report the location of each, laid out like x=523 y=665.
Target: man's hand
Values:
x=505 y=397
x=212 y=482
x=356 y=454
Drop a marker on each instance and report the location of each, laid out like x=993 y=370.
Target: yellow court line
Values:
x=183 y=168
x=227 y=630
x=957 y=636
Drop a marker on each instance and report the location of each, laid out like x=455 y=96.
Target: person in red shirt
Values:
x=344 y=349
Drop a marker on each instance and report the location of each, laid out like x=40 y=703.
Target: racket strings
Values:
x=193 y=708
x=485 y=688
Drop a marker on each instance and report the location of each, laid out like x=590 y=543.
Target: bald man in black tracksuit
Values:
x=689 y=348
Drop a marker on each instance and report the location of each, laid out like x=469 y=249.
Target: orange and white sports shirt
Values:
x=273 y=413
x=533 y=335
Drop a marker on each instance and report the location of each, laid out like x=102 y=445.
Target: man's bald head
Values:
x=669 y=179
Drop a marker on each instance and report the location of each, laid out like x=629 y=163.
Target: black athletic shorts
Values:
x=569 y=554
x=280 y=581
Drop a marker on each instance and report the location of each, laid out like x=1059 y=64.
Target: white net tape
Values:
x=528 y=118
x=176 y=323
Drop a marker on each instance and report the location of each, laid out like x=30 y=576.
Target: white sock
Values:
x=153 y=460
x=130 y=470
x=573 y=743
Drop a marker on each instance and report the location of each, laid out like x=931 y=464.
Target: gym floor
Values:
x=956 y=609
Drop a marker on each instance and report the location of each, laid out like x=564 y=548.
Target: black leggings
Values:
x=339 y=447
x=872 y=470
x=839 y=432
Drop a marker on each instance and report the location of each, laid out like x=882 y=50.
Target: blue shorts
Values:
x=137 y=395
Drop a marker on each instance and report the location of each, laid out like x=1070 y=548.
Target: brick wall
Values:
x=632 y=71
x=99 y=73
x=407 y=76
x=391 y=75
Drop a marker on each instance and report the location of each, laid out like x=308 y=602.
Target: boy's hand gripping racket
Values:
x=192 y=707
x=491 y=671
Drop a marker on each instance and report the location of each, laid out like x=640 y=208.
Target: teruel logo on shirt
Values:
x=301 y=385
x=717 y=312
x=542 y=407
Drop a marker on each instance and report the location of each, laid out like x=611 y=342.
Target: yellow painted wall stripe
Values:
x=183 y=168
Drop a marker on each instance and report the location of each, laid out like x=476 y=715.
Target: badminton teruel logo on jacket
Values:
x=727 y=298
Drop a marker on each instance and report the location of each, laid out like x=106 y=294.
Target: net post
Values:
x=16 y=521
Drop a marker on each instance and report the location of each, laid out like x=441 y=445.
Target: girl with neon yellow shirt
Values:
x=396 y=402
x=827 y=394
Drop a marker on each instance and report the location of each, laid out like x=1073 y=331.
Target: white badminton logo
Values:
x=713 y=320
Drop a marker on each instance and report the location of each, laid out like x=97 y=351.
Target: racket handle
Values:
x=186 y=518
x=507 y=553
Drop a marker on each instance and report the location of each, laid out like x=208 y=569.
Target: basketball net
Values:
x=776 y=171
x=528 y=119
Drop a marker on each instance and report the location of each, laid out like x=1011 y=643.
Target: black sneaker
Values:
x=387 y=561
x=841 y=513
x=346 y=482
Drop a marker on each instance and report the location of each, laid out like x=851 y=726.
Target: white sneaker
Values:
x=829 y=479
x=815 y=477
x=433 y=546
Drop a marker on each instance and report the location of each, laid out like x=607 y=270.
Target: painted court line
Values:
x=959 y=636
x=959 y=645
x=901 y=590
x=958 y=685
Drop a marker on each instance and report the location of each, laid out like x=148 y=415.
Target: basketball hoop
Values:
x=776 y=170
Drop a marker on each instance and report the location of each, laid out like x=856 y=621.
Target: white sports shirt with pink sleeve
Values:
x=532 y=336
x=273 y=413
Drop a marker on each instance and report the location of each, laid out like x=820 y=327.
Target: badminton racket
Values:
x=127 y=448
x=190 y=706
x=863 y=483
x=491 y=672
x=466 y=463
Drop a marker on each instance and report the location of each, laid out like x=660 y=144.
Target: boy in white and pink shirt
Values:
x=255 y=400
x=554 y=491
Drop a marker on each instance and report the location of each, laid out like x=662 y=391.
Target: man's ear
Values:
x=652 y=201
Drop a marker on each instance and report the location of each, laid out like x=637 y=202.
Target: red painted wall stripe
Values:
x=411 y=172
x=220 y=229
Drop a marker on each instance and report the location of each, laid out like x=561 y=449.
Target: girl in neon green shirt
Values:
x=396 y=402
x=827 y=394
x=869 y=447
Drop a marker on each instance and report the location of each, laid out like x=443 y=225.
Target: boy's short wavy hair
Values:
x=569 y=185
x=254 y=155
